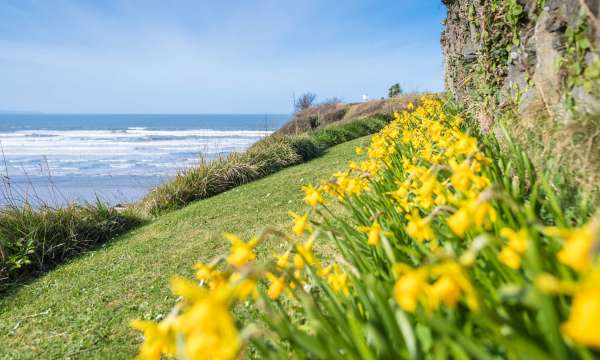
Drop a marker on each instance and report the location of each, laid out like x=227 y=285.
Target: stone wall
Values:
x=532 y=56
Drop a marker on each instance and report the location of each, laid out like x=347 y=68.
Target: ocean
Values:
x=58 y=159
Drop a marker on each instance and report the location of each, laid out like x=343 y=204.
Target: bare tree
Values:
x=305 y=101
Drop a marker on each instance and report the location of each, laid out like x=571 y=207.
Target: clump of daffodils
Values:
x=431 y=245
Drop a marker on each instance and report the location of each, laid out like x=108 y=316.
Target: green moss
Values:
x=573 y=63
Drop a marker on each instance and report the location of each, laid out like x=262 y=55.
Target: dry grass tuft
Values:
x=569 y=150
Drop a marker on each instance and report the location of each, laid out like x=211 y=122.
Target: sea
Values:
x=56 y=159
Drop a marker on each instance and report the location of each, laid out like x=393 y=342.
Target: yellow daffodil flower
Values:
x=373 y=233
x=301 y=223
x=418 y=228
x=312 y=196
x=582 y=325
x=276 y=287
x=241 y=252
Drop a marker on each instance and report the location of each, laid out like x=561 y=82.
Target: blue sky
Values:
x=198 y=56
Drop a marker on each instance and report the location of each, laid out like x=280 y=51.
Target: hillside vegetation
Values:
x=82 y=309
x=34 y=240
x=328 y=114
x=454 y=247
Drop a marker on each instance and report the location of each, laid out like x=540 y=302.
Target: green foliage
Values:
x=333 y=135
x=34 y=240
x=573 y=62
x=513 y=13
x=498 y=33
x=394 y=90
x=304 y=145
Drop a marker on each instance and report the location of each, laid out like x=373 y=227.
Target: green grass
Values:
x=33 y=240
x=82 y=308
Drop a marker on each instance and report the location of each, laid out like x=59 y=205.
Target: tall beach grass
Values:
x=36 y=239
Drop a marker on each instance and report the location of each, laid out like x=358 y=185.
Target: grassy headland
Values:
x=82 y=308
x=34 y=240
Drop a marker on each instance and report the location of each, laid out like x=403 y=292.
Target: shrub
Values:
x=271 y=155
x=334 y=135
x=34 y=240
x=450 y=247
x=304 y=145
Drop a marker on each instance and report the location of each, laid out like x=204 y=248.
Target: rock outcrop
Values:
x=528 y=55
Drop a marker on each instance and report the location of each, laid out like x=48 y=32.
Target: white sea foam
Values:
x=135 y=151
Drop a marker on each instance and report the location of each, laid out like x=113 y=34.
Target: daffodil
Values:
x=459 y=278
x=159 y=338
x=577 y=249
x=208 y=331
x=459 y=222
x=418 y=228
x=444 y=290
x=282 y=261
x=409 y=288
x=373 y=233
x=338 y=280
x=209 y=275
x=241 y=252
x=243 y=287
x=304 y=254
x=301 y=223
x=276 y=286
x=312 y=196
x=582 y=325
x=510 y=255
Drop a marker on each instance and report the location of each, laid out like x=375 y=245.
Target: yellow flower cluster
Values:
x=201 y=325
x=201 y=322
x=437 y=209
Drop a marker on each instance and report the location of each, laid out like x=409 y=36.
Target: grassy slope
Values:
x=82 y=308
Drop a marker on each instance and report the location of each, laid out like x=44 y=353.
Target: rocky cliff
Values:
x=531 y=55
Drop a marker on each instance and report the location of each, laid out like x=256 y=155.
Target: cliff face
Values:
x=528 y=55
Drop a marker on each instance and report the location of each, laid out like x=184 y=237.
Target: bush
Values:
x=305 y=101
x=271 y=155
x=304 y=145
x=394 y=90
x=338 y=134
x=34 y=240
